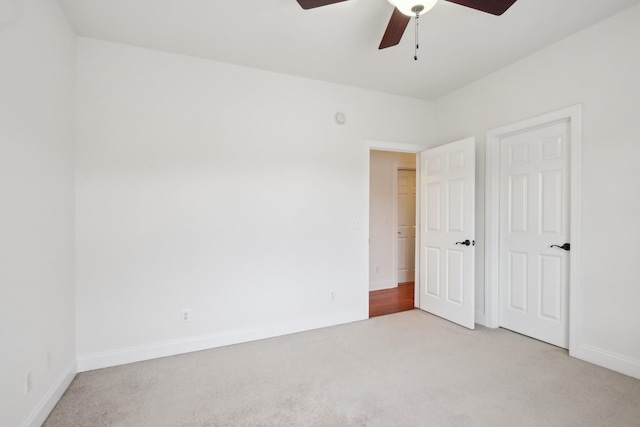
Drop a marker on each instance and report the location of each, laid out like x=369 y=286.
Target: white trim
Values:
x=575 y=265
x=416 y=262
x=400 y=147
x=610 y=360
x=573 y=115
x=491 y=232
x=382 y=284
x=89 y=362
x=51 y=398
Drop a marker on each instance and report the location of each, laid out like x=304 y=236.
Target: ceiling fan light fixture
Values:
x=413 y=7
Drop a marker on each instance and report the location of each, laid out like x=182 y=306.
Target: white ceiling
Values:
x=339 y=43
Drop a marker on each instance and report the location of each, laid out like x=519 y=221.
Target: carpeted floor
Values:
x=405 y=369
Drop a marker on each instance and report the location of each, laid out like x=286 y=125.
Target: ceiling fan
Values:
x=406 y=9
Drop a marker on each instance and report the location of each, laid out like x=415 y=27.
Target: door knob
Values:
x=566 y=246
x=466 y=243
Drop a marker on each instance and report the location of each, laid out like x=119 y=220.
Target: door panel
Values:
x=534 y=205
x=455 y=196
x=518 y=203
x=551 y=202
x=455 y=276
x=519 y=281
x=550 y=287
x=432 y=271
x=447 y=190
x=433 y=210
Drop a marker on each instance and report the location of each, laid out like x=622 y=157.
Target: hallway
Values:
x=394 y=300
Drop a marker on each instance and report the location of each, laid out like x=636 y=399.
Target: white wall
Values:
x=381 y=227
x=37 y=66
x=599 y=68
x=225 y=190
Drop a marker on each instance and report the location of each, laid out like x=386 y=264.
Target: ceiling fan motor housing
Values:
x=413 y=7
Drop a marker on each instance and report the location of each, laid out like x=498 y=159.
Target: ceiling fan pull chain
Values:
x=415 y=56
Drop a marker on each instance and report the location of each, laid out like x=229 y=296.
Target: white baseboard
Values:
x=610 y=360
x=46 y=405
x=89 y=362
x=382 y=284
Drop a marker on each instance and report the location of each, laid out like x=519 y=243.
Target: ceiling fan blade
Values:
x=495 y=7
x=397 y=24
x=310 y=4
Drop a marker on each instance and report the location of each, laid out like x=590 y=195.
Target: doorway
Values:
x=392 y=213
x=446 y=286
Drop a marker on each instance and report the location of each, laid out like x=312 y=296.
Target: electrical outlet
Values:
x=333 y=296
x=28 y=382
x=355 y=223
x=377 y=270
x=186 y=315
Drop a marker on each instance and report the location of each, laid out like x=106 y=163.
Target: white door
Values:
x=406 y=209
x=447 y=226
x=534 y=215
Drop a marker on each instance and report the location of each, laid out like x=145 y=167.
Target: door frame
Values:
x=573 y=115
x=397 y=147
x=398 y=166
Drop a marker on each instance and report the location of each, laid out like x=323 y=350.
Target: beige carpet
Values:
x=406 y=369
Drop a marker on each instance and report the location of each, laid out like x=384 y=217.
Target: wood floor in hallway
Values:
x=394 y=300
